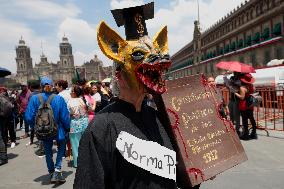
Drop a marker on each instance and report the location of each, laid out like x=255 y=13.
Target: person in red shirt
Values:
x=246 y=108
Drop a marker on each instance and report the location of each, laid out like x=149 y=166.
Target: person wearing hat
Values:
x=62 y=119
x=245 y=107
x=121 y=147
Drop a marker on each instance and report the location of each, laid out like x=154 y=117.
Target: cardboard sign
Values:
x=209 y=144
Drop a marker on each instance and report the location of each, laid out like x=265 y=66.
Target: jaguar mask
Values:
x=144 y=61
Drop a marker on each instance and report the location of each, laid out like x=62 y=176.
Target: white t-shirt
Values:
x=97 y=97
x=66 y=95
x=77 y=107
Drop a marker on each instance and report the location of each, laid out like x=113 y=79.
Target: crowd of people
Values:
x=76 y=106
x=240 y=105
x=73 y=109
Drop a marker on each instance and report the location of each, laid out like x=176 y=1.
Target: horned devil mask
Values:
x=143 y=61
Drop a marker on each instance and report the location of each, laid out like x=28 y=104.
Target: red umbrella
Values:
x=236 y=67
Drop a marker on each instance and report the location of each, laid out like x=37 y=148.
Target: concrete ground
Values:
x=263 y=170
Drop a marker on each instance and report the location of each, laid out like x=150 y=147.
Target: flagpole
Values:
x=198 y=10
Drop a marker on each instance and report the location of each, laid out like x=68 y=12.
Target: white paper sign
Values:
x=148 y=155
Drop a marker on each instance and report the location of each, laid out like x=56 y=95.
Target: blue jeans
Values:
x=49 y=154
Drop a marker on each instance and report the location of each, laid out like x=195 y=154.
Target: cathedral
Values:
x=64 y=69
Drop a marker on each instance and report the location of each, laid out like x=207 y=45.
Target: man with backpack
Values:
x=49 y=115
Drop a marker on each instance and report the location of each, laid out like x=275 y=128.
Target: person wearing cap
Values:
x=62 y=119
x=246 y=110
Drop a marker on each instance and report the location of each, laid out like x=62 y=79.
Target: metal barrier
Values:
x=270 y=113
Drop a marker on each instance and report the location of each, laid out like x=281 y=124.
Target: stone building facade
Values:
x=64 y=69
x=252 y=33
x=94 y=70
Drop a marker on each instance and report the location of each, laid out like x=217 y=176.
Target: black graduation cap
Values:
x=133 y=19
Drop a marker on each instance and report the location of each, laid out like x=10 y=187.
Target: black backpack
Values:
x=253 y=100
x=45 y=125
x=6 y=106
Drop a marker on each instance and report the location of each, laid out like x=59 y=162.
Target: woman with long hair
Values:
x=79 y=120
x=246 y=108
x=90 y=102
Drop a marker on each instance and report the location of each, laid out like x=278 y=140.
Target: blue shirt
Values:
x=60 y=111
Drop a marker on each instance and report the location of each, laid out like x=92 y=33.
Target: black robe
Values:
x=100 y=164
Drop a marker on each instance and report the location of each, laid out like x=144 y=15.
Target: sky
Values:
x=43 y=23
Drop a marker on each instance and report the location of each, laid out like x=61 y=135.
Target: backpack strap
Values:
x=40 y=100
x=50 y=99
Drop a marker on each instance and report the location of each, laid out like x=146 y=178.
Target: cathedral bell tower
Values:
x=66 y=63
x=24 y=62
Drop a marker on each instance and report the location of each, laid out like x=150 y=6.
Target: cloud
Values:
x=16 y=20
x=79 y=30
x=119 y=4
x=180 y=16
x=11 y=32
x=83 y=38
x=40 y=9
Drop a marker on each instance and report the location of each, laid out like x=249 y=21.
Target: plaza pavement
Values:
x=263 y=170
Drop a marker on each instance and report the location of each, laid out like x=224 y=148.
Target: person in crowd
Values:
x=5 y=112
x=81 y=82
x=12 y=122
x=35 y=89
x=95 y=94
x=61 y=87
x=62 y=119
x=79 y=120
x=127 y=122
x=104 y=97
x=108 y=90
x=246 y=110
x=22 y=101
x=90 y=102
x=13 y=98
x=222 y=107
x=234 y=86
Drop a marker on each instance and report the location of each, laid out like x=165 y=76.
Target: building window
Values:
x=248 y=41
x=240 y=44
x=21 y=54
x=277 y=30
x=227 y=48
x=267 y=57
x=212 y=67
x=279 y=53
x=265 y=34
x=241 y=58
x=253 y=59
x=256 y=38
x=233 y=46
